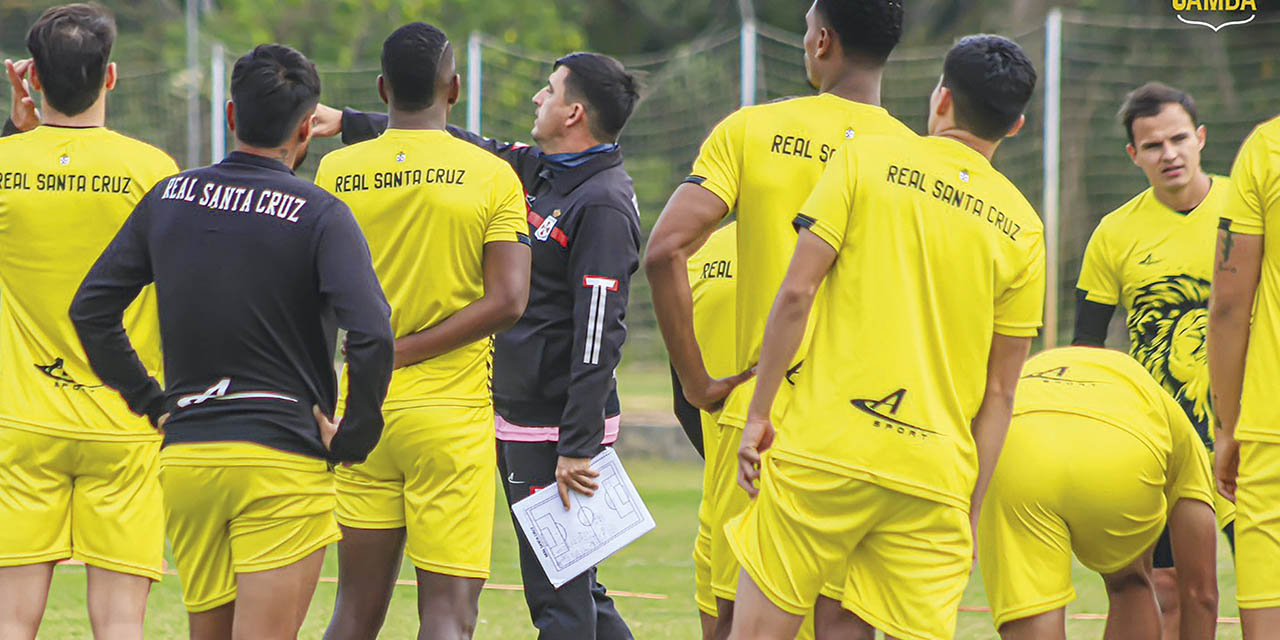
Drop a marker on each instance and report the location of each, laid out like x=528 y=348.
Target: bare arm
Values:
x=782 y=337
x=991 y=424
x=1237 y=268
x=506 y=292
x=1193 y=534
x=690 y=216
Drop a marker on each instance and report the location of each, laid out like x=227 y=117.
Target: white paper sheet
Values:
x=568 y=543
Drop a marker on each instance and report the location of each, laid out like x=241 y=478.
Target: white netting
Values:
x=1234 y=76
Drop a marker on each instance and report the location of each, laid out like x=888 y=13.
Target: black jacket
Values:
x=556 y=366
x=255 y=269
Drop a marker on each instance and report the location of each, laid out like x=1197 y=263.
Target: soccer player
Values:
x=446 y=224
x=1244 y=312
x=712 y=282
x=764 y=160
x=930 y=265
x=1097 y=458
x=255 y=270
x=554 y=390
x=1154 y=256
x=78 y=470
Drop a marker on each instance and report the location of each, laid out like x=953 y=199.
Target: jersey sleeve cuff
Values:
x=1236 y=225
x=1100 y=298
x=1018 y=330
x=710 y=185
x=818 y=228
x=508 y=236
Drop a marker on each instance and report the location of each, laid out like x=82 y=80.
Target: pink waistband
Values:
x=509 y=432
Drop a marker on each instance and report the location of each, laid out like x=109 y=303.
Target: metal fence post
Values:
x=1052 y=169
x=747 y=69
x=474 y=91
x=217 y=108
x=193 y=87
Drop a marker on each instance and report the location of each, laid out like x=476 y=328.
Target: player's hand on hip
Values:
x=328 y=122
x=160 y=422
x=575 y=474
x=1226 y=464
x=710 y=396
x=23 y=111
x=757 y=437
x=328 y=428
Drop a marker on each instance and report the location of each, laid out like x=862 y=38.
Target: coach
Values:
x=553 y=385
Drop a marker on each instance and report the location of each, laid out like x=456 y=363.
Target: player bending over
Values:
x=930 y=265
x=1244 y=313
x=445 y=221
x=1099 y=459
x=255 y=270
x=764 y=161
x=1154 y=256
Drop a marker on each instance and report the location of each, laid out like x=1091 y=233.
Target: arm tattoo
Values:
x=1228 y=242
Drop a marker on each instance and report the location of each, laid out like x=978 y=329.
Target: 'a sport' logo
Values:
x=891 y=403
x=1215 y=14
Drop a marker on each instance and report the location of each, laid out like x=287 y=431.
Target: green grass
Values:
x=659 y=563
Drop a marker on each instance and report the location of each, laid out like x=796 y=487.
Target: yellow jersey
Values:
x=711 y=278
x=64 y=193
x=428 y=203
x=1158 y=264
x=1109 y=386
x=936 y=251
x=764 y=160
x=1255 y=205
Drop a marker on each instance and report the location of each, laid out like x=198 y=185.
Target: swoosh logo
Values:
x=1219 y=27
x=864 y=406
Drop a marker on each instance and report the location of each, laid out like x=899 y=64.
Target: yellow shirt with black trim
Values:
x=936 y=251
x=1158 y=264
x=64 y=193
x=1254 y=209
x=1112 y=387
x=764 y=160
x=427 y=204
x=712 y=270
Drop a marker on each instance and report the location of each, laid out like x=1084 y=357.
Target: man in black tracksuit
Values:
x=553 y=383
x=255 y=270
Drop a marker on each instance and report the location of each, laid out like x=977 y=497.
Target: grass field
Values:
x=657 y=564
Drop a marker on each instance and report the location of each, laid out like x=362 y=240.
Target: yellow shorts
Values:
x=235 y=507
x=1065 y=483
x=433 y=473
x=1258 y=526
x=92 y=500
x=703 y=595
x=906 y=560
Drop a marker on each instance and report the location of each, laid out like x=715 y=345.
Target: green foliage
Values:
x=349 y=33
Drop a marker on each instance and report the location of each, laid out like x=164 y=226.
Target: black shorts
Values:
x=1163 y=558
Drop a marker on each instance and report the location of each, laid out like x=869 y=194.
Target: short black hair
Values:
x=608 y=89
x=1149 y=100
x=273 y=87
x=411 y=58
x=71 y=46
x=867 y=29
x=991 y=81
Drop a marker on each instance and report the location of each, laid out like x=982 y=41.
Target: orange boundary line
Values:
x=1084 y=616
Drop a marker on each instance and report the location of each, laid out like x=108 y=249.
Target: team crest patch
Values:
x=400 y=157
x=64 y=160
x=848 y=134
x=964 y=175
x=547 y=226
